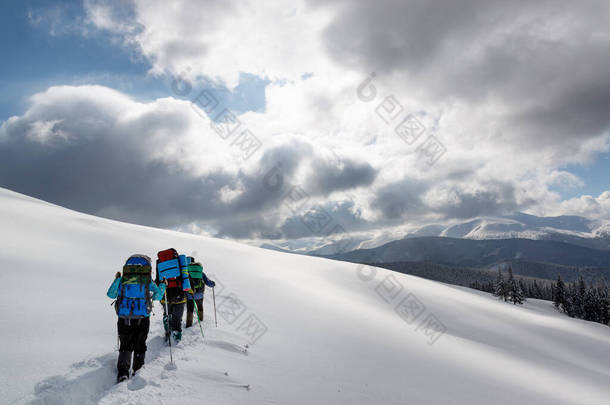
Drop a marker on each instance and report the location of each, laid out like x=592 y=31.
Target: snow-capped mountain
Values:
x=575 y=230
x=603 y=231
x=570 y=229
x=522 y=225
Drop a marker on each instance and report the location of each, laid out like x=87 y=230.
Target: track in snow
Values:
x=92 y=381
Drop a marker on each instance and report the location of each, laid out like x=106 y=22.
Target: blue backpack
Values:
x=171 y=269
x=134 y=300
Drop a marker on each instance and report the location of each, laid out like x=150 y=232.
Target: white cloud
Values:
x=97 y=150
x=565 y=180
x=593 y=207
x=507 y=117
x=221 y=39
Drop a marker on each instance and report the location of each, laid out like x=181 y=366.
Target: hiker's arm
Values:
x=158 y=291
x=207 y=281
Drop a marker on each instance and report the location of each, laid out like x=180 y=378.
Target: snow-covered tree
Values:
x=604 y=303
x=500 y=288
x=515 y=293
x=578 y=299
x=559 y=294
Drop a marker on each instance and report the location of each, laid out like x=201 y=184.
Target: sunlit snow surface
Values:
x=326 y=332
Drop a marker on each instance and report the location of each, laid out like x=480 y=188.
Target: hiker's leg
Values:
x=140 y=343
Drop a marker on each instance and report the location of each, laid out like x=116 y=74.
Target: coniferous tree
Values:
x=500 y=289
x=559 y=298
x=578 y=299
x=515 y=293
x=568 y=304
x=591 y=305
x=523 y=287
x=604 y=304
x=535 y=290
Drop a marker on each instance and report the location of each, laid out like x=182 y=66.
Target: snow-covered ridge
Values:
x=603 y=230
x=524 y=226
x=334 y=332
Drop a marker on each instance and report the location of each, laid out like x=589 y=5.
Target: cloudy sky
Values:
x=303 y=122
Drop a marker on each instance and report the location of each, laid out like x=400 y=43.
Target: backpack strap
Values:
x=148 y=299
x=157 y=281
x=119 y=299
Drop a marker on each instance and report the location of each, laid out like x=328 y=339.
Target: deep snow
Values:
x=331 y=331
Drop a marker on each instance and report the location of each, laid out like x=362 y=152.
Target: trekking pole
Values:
x=203 y=309
x=198 y=320
x=171 y=358
x=214 y=296
x=118 y=341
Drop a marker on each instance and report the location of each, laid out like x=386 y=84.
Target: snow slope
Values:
x=332 y=334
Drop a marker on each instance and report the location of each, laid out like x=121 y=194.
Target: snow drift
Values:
x=292 y=329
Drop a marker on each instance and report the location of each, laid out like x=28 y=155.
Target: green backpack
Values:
x=195 y=270
x=196 y=275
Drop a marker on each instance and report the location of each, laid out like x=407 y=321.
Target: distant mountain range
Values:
x=569 y=229
x=540 y=247
x=531 y=258
x=574 y=230
x=479 y=253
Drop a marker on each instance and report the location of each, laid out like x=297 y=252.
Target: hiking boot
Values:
x=189 y=319
x=176 y=336
x=138 y=361
x=123 y=366
x=200 y=315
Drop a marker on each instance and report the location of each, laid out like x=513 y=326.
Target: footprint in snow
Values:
x=228 y=346
x=137 y=383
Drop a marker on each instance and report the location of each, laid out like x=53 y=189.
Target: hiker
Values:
x=172 y=267
x=134 y=292
x=198 y=280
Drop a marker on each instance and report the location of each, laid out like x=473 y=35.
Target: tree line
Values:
x=510 y=290
x=517 y=287
x=588 y=301
x=578 y=300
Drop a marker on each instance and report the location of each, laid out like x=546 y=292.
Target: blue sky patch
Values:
x=44 y=45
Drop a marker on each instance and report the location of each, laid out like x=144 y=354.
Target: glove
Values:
x=190 y=291
x=117 y=275
x=213 y=283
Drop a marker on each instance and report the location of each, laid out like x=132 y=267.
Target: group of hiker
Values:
x=179 y=280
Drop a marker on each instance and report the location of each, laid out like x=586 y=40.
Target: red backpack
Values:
x=167 y=264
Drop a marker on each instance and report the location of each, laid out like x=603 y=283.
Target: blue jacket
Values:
x=158 y=291
x=199 y=291
x=208 y=282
